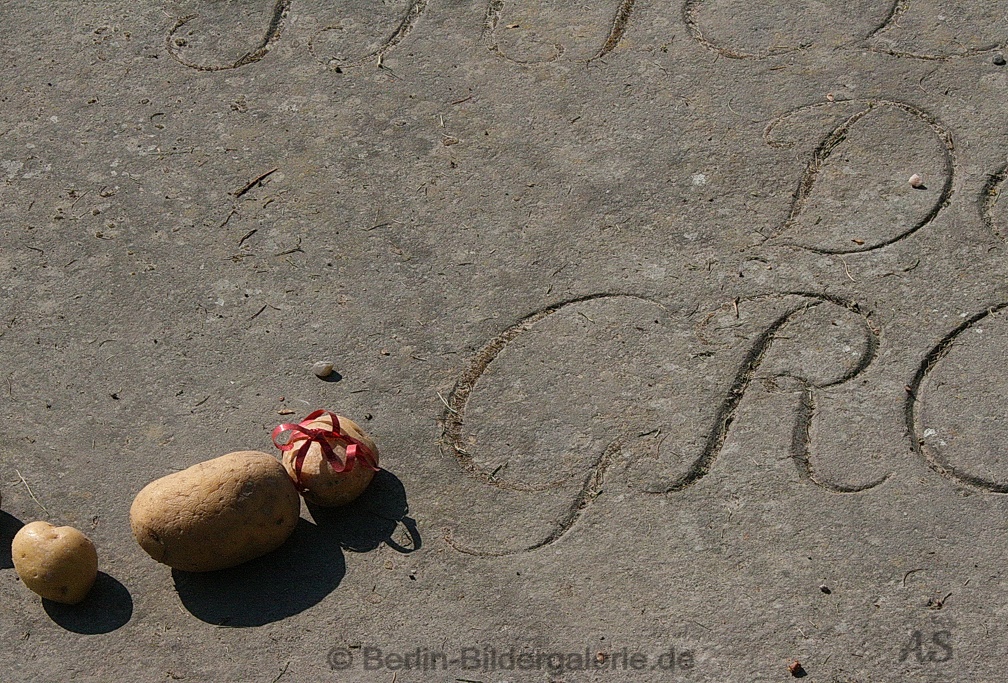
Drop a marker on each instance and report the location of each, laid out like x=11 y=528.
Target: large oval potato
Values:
x=218 y=513
x=58 y=563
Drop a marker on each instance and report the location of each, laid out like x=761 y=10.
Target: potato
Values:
x=218 y=513
x=58 y=563
x=320 y=483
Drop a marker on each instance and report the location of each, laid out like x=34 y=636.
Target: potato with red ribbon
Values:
x=329 y=457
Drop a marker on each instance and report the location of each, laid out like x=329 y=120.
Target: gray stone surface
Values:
x=661 y=349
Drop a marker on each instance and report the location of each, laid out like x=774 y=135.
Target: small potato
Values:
x=217 y=514
x=321 y=484
x=58 y=563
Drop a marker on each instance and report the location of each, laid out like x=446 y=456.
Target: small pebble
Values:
x=999 y=60
x=916 y=181
x=825 y=589
x=322 y=369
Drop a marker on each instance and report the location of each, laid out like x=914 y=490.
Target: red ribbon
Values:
x=305 y=435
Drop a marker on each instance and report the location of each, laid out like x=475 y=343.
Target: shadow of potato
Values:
x=285 y=582
x=307 y=568
x=9 y=526
x=106 y=608
x=373 y=518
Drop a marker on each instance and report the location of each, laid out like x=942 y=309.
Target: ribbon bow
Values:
x=305 y=435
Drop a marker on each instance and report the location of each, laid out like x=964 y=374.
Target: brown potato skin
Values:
x=58 y=563
x=216 y=514
x=325 y=487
